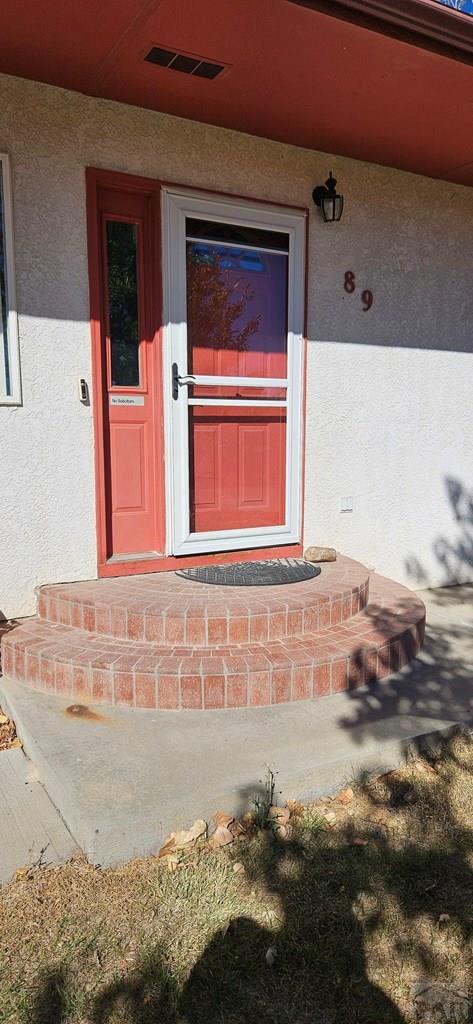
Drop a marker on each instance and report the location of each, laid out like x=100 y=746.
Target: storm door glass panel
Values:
x=236 y=301
x=237 y=282
x=122 y=273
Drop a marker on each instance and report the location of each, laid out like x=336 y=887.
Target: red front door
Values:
x=131 y=396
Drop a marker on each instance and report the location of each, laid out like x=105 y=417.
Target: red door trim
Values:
x=98 y=178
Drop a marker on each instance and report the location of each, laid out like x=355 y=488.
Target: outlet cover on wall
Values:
x=346 y=504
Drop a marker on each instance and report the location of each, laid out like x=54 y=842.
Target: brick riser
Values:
x=172 y=611
x=89 y=667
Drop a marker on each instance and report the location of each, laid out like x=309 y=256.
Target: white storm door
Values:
x=234 y=302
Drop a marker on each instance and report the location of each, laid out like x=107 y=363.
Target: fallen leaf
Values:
x=16 y=742
x=296 y=808
x=168 y=846
x=425 y=767
x=443 y=919
x=271 y=955
x=3 y=719
x=221 y=837
x=346 y=796
x=237 y=829
x=222 y=818
x=279 y=814
x=173 y=863
x=188 y=837
x=330 y=817
x=238 y=868
x=21 y=873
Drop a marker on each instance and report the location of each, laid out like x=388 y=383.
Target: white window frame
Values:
x=14 y=398
x=176 y=205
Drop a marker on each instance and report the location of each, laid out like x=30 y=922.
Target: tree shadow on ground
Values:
x=320 y=972
x=434 y=692
x=50 y=1004
x=345 y=911
x=434 y=689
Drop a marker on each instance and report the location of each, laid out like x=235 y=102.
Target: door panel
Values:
x=237 y=468
x=130 y=400
x=235 y=285
x=127 y=448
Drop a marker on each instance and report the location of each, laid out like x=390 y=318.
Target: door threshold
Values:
x=142 y=556
x=130 y=565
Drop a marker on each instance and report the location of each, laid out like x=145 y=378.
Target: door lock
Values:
x=178 y=381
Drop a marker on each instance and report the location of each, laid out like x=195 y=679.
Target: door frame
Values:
x=176 y=204
x=104 y=178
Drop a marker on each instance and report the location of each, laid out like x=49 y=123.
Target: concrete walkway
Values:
x=31 y=829
x=122 y=778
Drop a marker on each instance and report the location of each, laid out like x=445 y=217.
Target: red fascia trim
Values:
x=423 y=23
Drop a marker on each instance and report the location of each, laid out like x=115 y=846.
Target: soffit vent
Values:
x=184 y=62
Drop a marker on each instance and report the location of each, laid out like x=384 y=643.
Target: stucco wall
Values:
x=389 y=403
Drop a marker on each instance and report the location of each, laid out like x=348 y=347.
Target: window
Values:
x=10 y=393
x=122 y=260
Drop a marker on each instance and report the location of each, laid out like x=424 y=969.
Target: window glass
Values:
x=122 y=263
x=236 y=301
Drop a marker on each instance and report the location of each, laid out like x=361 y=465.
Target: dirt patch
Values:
x=8 y=737
x=334 y=920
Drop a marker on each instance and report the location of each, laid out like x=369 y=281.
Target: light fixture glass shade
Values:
x=332 y=207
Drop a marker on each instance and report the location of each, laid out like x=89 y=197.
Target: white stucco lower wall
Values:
x=389 y=391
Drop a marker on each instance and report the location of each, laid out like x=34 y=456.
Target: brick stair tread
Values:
x=89 y=666
x=164 y=608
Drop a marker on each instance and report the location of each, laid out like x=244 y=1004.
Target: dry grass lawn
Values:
x=353 y=912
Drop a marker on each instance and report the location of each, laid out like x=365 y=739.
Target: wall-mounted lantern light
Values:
x=328 y=199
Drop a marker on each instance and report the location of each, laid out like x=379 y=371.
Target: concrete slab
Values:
x=31 y=828
x=124 y=778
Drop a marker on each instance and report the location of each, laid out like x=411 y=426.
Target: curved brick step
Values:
x=166 y=609
x=90 y=667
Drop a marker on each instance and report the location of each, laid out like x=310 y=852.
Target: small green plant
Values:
x=266 y=800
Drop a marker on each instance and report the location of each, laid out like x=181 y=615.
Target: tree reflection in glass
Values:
x=123 y=302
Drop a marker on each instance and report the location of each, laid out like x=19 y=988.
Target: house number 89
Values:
x=349 y=285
